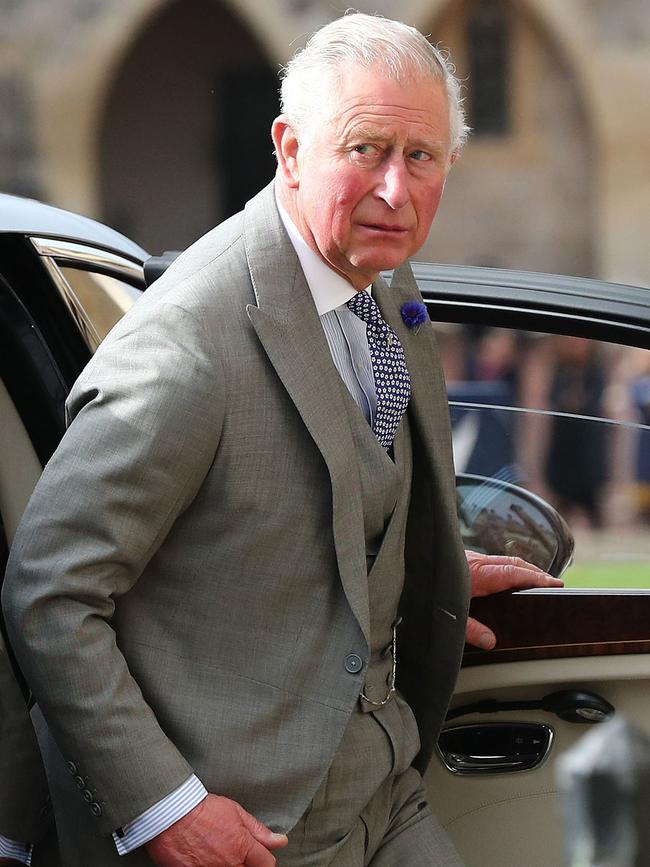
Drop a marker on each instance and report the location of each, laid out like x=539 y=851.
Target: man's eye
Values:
x=420 y=156
x=365 y=150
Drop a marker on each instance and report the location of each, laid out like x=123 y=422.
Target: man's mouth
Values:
x=385 y=227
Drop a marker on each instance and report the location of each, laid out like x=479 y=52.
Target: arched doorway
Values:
x=522 y=193
x=185 y=134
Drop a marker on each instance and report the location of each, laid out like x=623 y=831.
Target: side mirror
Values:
x=497 y=517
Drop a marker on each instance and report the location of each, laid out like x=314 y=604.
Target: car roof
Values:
x=30 y=217
x=547 y=296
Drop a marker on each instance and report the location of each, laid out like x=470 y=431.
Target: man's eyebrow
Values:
x=366 y=134
x=371 y=134
x=432 y=146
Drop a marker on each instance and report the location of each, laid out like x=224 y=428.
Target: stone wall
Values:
x=576 y=197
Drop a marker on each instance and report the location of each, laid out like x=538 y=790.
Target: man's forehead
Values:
x=382 y=108
x=373 y=115
x=356 y=89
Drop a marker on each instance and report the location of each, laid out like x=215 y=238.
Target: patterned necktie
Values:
x=392 y=381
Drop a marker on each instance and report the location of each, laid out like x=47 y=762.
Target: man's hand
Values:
x=492 y=574
x=216 y=833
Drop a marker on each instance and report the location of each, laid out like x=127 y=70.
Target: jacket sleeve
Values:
x=144 y=423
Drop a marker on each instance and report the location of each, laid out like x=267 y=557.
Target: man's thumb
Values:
x=263 y=834
x=478 y=635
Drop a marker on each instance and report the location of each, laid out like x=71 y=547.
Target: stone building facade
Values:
x=152 y=115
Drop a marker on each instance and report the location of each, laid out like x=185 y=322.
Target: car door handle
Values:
x=494 y=748
x=570 y=705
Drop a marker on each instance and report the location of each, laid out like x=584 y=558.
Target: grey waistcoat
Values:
x=385 y=486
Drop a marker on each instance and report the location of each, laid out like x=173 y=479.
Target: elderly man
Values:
x=255 y=490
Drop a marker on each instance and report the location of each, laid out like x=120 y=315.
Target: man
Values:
x=206 y=587
x=23 y=789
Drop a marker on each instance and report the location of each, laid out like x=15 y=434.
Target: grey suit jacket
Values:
x=190 y=574
x=23 y=789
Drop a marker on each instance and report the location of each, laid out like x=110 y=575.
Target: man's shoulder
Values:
x=217 y=258
x=203 y=294
x=211 y=282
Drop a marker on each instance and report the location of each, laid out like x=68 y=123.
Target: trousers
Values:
x=371 y=808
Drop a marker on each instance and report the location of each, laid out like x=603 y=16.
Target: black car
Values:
x=549 y=387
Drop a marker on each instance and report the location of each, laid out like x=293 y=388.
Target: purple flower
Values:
x=414 y=314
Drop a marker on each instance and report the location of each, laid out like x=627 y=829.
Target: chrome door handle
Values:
x=494 y=748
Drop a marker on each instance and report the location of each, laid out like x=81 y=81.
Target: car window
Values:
x=567 y=418
x=101 y=299
x=97 y=286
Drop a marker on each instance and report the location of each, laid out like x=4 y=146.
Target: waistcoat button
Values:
x=353 y=663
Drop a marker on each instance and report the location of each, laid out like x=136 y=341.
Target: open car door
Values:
x=549 y=386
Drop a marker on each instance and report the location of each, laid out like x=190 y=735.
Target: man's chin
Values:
x=387 y=260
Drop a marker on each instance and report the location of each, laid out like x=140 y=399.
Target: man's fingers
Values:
x=216 y=831
x=277 y=841
x=504 y=560
x=261 y=833
x=478 y=635
x=259 y=856
x=509 y=575
x=494 y=574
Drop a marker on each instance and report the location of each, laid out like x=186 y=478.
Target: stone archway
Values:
x=184 y=135
x=523 y=199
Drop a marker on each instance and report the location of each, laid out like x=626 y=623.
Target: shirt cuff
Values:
x=19 y=851
x=158 y=818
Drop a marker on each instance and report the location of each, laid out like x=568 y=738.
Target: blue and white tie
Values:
x=392 y=381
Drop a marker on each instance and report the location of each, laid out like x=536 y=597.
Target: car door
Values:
x=58 y=298
x=549 y=385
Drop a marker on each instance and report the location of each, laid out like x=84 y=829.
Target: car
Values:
x=549 y=394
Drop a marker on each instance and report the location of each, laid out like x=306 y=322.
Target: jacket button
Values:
x=81 y=783
x=95 y=809
x=88 y=796
x=353 y=663
x=71 y=767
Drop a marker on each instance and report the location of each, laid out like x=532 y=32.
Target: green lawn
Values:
x=609 y=574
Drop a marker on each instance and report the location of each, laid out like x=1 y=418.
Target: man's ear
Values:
x=452 y=159
x=286 y=150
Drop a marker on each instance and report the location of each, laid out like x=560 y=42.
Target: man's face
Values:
x=365 y=187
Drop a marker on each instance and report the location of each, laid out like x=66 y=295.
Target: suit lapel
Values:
x=288 y=327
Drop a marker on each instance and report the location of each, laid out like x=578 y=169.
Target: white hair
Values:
x=402 y=52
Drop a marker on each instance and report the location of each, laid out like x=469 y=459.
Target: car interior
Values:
x=19 y=466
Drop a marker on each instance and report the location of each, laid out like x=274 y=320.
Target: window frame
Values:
x=55 y=254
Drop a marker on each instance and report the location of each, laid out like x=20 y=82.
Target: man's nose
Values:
x=393 y=187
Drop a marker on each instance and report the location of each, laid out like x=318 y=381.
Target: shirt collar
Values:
x=329 y=290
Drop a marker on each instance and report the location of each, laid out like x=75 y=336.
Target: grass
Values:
x=618 y=574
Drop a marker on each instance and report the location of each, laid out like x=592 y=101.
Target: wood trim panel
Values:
x=561 y=624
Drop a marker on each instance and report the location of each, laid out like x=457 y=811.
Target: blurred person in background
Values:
x=640 y=398
x=577 y=460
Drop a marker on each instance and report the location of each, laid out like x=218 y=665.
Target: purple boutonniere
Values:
x=414 y=314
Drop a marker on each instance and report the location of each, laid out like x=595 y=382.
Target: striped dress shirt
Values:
x=21 y=852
